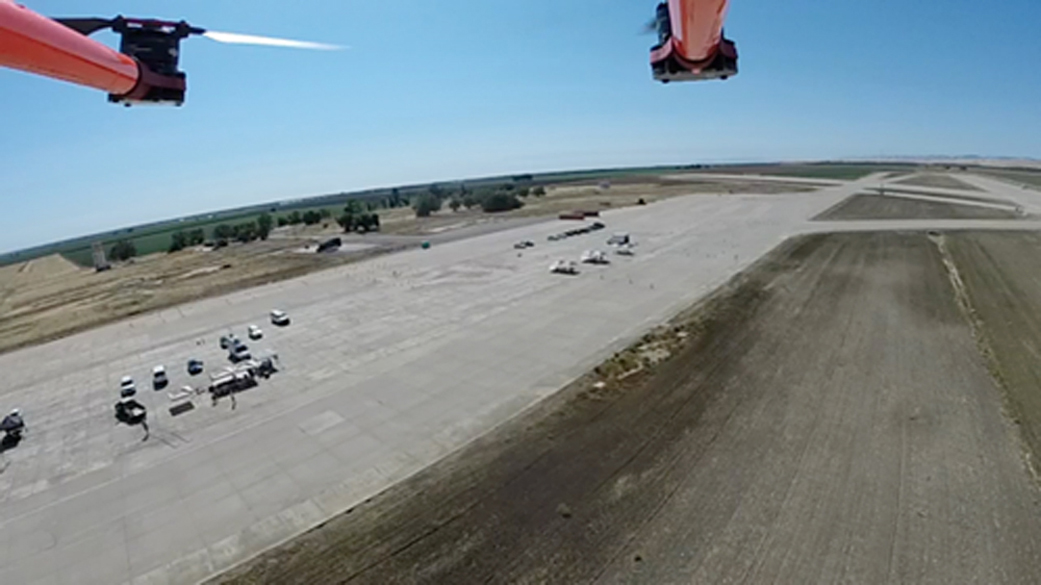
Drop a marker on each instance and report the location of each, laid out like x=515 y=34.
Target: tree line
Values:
x=359 y=215
x=490 y=199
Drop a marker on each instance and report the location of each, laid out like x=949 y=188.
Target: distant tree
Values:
x=455 y=203
x=346 y=221
x=508 y=187
x=426 y=204
x=470 y=200
x=246 y=231
x=325 y=213
x=178 y=242
x=264 y=222
x=294 y=218
x=523 y=192
x=122 y=250
x=196 y=237
x=311 y=217
x=360 y=222
x=500 y=202
x=539 y=191
x=282 y=221
x=223 y=232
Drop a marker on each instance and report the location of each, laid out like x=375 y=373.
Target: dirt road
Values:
x=826 y=418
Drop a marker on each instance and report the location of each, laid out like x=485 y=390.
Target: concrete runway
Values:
x=389 y=365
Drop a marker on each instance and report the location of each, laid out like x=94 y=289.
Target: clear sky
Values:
x=437 y=90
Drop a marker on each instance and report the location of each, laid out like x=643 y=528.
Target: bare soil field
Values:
x=999 y=271
x=894 y=207
x=941 y=180
x=897 y=191
x=825 y=417
x=39 y=305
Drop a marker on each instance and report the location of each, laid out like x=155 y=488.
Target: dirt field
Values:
x=897 y=192
x=825 y=418
x=894 y=207
x=943 y=181
x=1000 y=271
x=50 y=297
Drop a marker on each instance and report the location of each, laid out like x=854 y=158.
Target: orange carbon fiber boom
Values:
x=697 y=27
x=36 y=44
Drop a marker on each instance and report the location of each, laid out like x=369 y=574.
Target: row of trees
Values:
x=181 y=239
x=357 y=217
x=489 y=199
x=309 y=217
x=246 y=231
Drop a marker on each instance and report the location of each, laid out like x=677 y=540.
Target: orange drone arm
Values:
x=697 y=27
x=36 y=44
x=691 y=45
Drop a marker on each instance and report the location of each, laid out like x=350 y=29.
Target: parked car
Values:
x=159 y=379
x=279 y=318
x=597 y=226
x=126 y=387
x=618 y=239
x=239 y=352
x=524 y=244
x=228 y=341
x=194 y=367
x=564 y=267
x=594 y=257
x=255 y=332
x=624 y=250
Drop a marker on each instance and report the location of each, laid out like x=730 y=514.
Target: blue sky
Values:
x=456 y=88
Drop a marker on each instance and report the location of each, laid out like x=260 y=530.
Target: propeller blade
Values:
x=240 y=39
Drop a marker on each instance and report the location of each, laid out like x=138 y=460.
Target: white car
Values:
x=255 y=332
x=159 y=378
x=126 y=387
x=594 y=257
x=624 y=250
x=619 y=239
x=279 y=318
x=564 y=267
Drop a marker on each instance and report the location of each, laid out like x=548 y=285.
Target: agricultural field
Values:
x=943 y=181
x=1031 y=178
x=895 y=207
x=839 y=171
